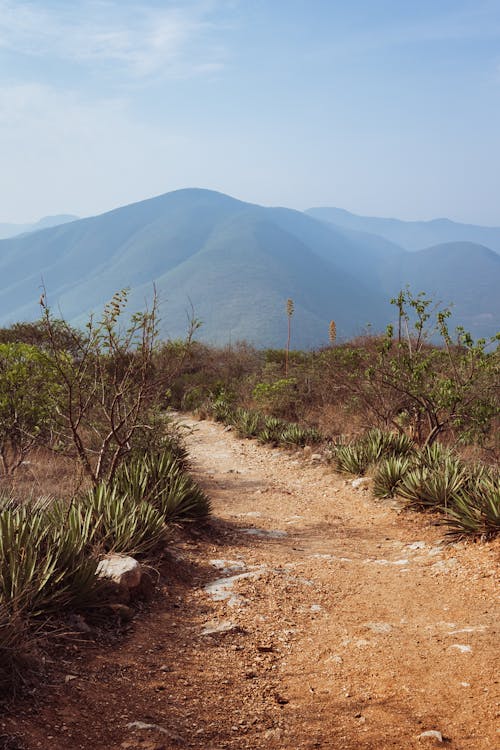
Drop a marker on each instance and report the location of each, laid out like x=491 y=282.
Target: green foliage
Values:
x=248 y=424
x=389 y=475
x=44 y=560
x=120 y=524
x=277 y=397
x=29 y=394
x=295 y=434
x=475 y=508
x=351 y=459
x=159 y=479
x=272 y=430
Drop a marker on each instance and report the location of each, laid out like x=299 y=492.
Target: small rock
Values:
x=416 y=545
x=70 y=678
x=360 y=483
x=226 y=626
x=316 y=608
x=141 y=725
x=379 y=627
x=463 y=649
x=431 y=734
x=122 y=569
x=316 y=457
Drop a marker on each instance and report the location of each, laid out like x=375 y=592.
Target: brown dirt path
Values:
x=349 y=626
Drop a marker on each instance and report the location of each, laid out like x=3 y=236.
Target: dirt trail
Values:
x=339 y=625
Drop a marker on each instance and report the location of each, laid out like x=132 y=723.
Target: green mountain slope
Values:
x=236 y=264
x=411 y=235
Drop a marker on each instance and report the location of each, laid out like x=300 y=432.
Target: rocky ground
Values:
x=307 y=615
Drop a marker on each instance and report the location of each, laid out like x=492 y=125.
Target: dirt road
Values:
x=309 y=616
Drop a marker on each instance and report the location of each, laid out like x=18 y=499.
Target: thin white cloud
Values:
x=143 y=39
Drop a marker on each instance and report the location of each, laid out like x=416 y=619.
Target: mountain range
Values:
x=13 y=230
x=235 y=264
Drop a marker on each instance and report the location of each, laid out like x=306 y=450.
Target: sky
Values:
x=381 y=107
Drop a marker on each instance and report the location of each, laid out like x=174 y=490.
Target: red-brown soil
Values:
x=357 y=628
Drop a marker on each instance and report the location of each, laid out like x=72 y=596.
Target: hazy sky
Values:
x=383 y=107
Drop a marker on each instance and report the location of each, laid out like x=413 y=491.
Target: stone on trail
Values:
x=121 y=569
x=360 y=483
x=431 y=734
x=225 y=626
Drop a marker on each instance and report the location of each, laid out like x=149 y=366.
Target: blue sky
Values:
x=382 y=107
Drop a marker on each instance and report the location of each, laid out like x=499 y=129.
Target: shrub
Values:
x=160 y=480
x=351 y=459
x=272 y=430
x=44 y=560
x=475 y=508
x=122 y=525
x=248 y=423
x=294 y=434
x=389 y=475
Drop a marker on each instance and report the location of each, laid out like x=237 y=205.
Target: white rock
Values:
x=121 y=569
x=316 y=457
x=431 y=734
x=212 y=628
x=416 y=545
x=463 y=649
x=360 y=482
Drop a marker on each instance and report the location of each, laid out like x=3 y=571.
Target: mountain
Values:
x=12 y=230
x=236 y=263
x=411 y=235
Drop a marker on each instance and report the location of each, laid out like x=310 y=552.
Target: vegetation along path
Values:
x=308 y=616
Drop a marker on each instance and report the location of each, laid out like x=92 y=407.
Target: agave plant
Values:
x=160 y=480
x=248 y=423
x=294 y=434
x=410 y=485
x=120 y=524
x=272 y=430
x=351 y=459
x=475 y=508
x=443 y=482
x=44 y=564
x=389 y=475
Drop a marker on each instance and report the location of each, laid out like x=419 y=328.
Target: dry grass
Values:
x=45 y=474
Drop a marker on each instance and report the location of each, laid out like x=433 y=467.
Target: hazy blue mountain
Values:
x=236 y=263
x=462 y=274
x=412 y=235
x=12 y=230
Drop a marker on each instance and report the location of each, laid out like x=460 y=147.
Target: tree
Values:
x=28 y=398
x=429 y=389
x=109 y=384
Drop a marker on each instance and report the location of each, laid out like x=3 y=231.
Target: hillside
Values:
x=13 y=230
x=411 y=235
x=236 y=263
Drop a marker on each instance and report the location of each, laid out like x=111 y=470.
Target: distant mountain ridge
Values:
x=411 y=235
x=237 y=263
x=13 y=230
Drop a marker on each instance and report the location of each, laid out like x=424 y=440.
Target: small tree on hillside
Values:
x=109 y=385
x=28 y=397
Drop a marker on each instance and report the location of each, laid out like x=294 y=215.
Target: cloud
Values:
x=142 y=39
